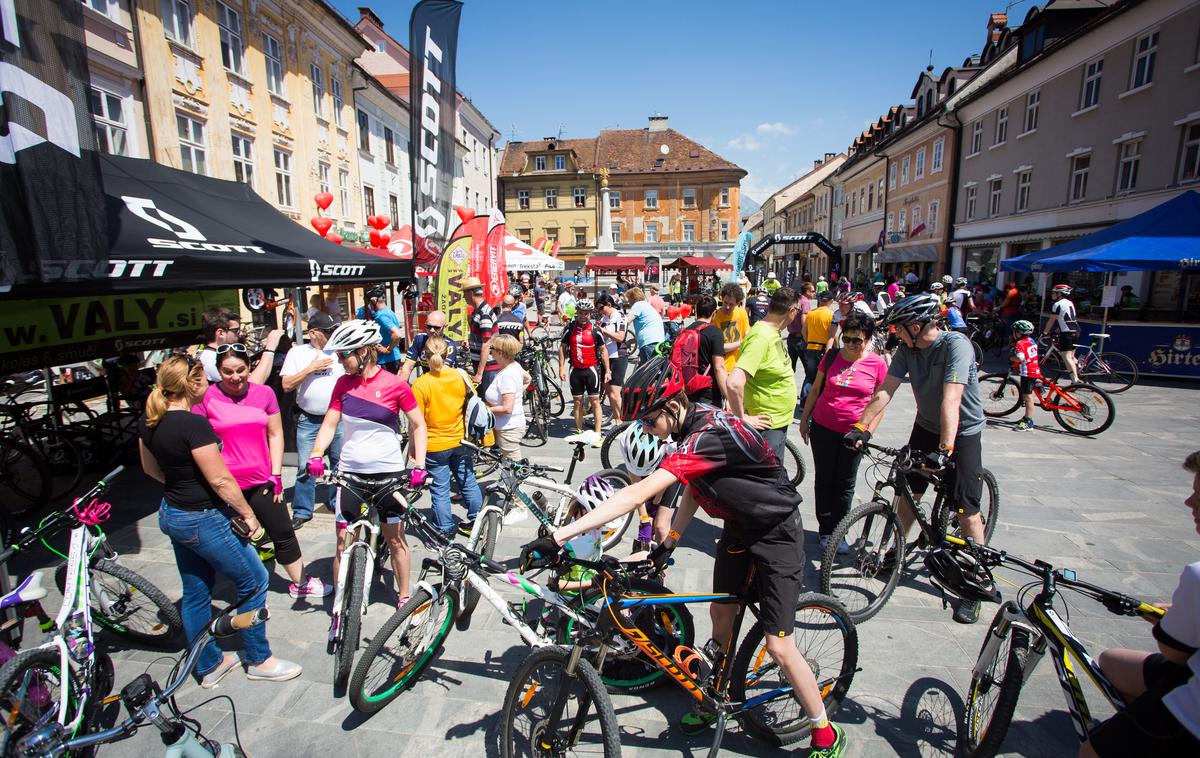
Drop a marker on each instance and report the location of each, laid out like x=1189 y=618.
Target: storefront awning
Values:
x=908 y=254
x=704 y=264
x=614 y=262
x=863 y=248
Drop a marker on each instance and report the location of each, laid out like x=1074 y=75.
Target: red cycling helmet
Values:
x=650 y=387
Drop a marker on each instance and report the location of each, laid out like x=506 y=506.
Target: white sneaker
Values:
x=516 y=515
x=314 y=587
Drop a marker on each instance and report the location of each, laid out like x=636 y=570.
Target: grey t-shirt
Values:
x=950 y=359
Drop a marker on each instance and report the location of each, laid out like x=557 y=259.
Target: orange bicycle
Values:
x=1079 y=408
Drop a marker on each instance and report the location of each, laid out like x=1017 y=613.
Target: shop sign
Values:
x=1166 y=350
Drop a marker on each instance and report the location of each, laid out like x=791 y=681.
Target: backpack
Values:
x=685 y=355
x=478 y=420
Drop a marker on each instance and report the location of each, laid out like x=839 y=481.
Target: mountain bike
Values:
x=517 y=476
x=1114 y=372
x=864 y=578
x=746 y=686
x=358 y=555
x=60 y=450
x=1081 y=409
x=146 y=702
x=1019 y=636
x=25 y=482
x=121 y=600
x=793 y=461
x=537 y=360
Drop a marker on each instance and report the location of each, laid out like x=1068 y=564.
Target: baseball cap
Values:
x=322 y=321
x=826 y=295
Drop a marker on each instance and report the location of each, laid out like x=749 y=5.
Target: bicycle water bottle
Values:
x=539 y=499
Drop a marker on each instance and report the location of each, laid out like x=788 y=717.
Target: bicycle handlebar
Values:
x=515 y=466
x=58 y=519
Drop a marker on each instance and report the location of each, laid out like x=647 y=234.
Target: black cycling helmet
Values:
x=375 y=291
x=654 y=383
x=915 y=309
x=959 y=573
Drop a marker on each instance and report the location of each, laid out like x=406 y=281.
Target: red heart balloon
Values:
x=384 y=239
x=685 y=310
x=323 y=200
x=382 y=222
x=335 y=238
x=466 y=214
x=321 y=224
x=672 y=312
x=374 y=237
x=371 y=221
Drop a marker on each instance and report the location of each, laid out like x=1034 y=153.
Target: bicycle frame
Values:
x=1047 y=398
x=897 y=480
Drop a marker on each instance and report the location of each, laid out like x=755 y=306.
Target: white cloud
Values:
x=775 y=127
x=744 y=142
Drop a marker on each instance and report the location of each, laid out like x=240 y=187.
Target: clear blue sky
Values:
x=768 y=85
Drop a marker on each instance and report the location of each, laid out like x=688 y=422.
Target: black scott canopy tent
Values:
x=173 y=230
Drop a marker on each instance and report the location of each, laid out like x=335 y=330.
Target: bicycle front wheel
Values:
x=992 y=694
x=826 y=637
x=1112 y=372
x=863 y=578
x=989 y=509
x=129 y=604
x=401 y=650
x=30 y=687
x=25 y=479
x=586 y=723
x=793 y=463
x=612 y=532
x=607 y=453
x=1096 y=410
x=1000 y=395
x=350 y=626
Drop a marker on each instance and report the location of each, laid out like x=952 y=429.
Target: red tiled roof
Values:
x=514 y=159
x=637 y=151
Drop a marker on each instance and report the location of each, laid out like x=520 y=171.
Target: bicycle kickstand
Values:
x=719 y=733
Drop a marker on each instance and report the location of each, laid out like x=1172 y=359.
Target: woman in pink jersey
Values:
x=246 y=418
x=845 y=382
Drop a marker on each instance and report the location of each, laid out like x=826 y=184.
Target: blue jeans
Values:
x=305 y=493
x=646 y=352
x=205 y=545
x=440 y=465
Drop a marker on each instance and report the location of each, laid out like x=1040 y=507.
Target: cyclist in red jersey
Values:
x=583 y=344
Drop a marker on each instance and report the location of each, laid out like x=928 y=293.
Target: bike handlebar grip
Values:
x=226 y=625
x=113 y=474
x=468 y=444
x=559 y=469
x=9 y=552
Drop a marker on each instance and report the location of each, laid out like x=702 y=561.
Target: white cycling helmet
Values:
x=947 y=280
x=352 y=335
x=594 y=491
x=642 y=450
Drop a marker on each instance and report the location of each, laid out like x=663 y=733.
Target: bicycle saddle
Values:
x=26 y=592
x=585 y=438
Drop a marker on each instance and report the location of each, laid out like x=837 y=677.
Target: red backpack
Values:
x=685 y=356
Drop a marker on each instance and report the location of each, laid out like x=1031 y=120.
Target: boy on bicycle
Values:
x=1024 y=362
x=732 y=473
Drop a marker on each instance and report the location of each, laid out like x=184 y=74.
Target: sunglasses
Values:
x=343 y=354
x=476 y=292
x=853 y=340
x=233 y=347
x=435 y=327
x=649 y=422
x=191 y=359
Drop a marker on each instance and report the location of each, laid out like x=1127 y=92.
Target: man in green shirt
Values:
x=762 y=387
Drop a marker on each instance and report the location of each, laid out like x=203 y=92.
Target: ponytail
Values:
x=175 y=378
x=156 y=406
x=435 y=353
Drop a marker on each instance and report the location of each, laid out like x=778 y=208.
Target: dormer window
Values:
x=560 y=163
x=539 y=163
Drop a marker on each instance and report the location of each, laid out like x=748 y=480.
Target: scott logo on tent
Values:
x=333 y=269
x=190 y=238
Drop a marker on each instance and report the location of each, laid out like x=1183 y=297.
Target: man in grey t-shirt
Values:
x=940 y=365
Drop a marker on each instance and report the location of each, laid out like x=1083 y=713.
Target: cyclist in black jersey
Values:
x=730 y=472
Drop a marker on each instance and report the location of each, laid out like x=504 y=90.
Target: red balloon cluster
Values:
x=378 y=224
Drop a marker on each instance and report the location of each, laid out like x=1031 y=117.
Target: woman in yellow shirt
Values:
x=441 y=393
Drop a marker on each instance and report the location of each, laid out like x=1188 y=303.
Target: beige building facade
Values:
x=116 y=99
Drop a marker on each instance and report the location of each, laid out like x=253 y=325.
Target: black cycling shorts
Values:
x=585 y=381
x=618 y=366
x=1066 y=340
x=778 y=555
x=964 y=482
x=1146 y=726
x=1027 y=383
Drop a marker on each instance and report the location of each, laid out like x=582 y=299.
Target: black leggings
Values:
x=275 y=519
x=836 y=468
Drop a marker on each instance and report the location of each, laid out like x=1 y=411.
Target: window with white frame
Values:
x=344 y=191
x=323 y=177
x=580 y=236
x=892 y=176
x=580 y=195
x=552 y=234
x=1130 y=158
x=853 y=204
x=972 y=199
x=916 y=218
x=177 y=18
x=283 y=178
x=364 y=131
x=1093 y=74
x=652 y=231
x=523 y=199
x=1001 y=135
x=724 y=231
x=689 y=231
x=616 y=232
x=233 y=51
x=539 y=163
x=560 y=163
x=902 y=223
x=193 y=150
x=368 y=200
x=995 y=193
x=273 y=55
x=1024 y=188
x=891 y=221
x=317 y=75
x=904 y=166
x=939 y=153
x=920 y=167
x=931 y=222
x=870 y=196
x=1081 y=165
x=394 y=207
x=108 y=121
x=551 y=197
x=977 y=137
x=724 y=196
x=614 y=199
x=1145 y=51
x=1033 y=107
x=689 y=198
x=389 y=146
x=651 y=198
x=243 y=159
x=1189 y=158
x=879 y=191
x=862 y=197
x=335 y=89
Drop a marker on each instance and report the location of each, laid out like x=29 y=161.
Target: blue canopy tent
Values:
x=1166 y=237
